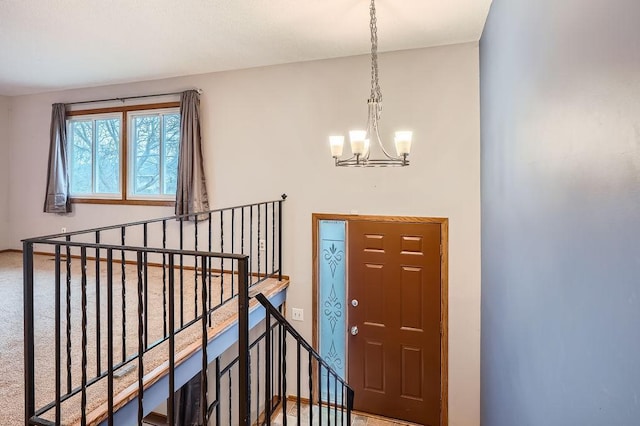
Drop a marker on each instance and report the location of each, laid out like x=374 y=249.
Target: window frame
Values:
x=125 y=197
x=131 y=173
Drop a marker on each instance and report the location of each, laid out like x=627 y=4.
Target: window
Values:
x=125 y=155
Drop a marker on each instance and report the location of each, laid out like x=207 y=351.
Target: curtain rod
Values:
x=124 y=98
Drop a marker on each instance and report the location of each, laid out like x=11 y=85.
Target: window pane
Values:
x=146 y=147
x=171 y=150
x=108 y=156
x=81 y=135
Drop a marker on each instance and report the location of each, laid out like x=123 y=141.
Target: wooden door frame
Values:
x=444 y=288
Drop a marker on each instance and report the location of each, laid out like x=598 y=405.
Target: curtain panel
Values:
x=191 y=193
x=57 y=199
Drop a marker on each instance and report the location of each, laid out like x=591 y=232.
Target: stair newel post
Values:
x=280 y=203
x=243 y=341
x=29 y=375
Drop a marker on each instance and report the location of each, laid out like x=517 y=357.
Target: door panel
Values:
x=394 y=359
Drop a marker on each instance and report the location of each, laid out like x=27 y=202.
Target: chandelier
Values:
x=366 y=146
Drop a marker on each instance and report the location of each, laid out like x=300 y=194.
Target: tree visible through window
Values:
x=100 y=170
x=95 y=155
x=155 y=144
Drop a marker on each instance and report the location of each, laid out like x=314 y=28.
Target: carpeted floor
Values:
x=11 y=333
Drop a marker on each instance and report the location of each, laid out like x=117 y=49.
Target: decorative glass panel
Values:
x=332 y=309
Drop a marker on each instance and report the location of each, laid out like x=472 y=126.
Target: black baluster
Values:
x=280 y=237
x=233 y=219
x=283 y=390
x=83 y=266
x=68 y=264
x=242 y=233
x=146 y=284
x=124 y=296
x=266 y=240
x=110 y=360
x=222 y=259
x=319 y=391
x=29 y=338
x=205 y=362
x=249 y=389
x=209 y=271
x=310 y=388
x=258 y=379
x=218 y=399
x=58 y=326
x=172 y=345
x=342 y=403
x=335 y=400
x=98 y=346
x=268 y=368
x=164 y=279
x=195 y=269
x=141 y=327
x=349 y=405
x=273 y=237
x=328 y=397
x=230 y=402
x=259 y=247
x=181 y=272
x=250 y=243
x=298 y=383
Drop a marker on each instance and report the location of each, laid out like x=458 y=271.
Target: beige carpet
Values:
x=11 y=332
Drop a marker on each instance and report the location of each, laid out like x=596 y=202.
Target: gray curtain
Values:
x=191 y=194
x=57 y=198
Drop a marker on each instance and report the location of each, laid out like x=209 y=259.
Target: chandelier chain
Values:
x=376 y=93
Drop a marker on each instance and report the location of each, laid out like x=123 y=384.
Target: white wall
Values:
x=4 y=173
x=266 y=132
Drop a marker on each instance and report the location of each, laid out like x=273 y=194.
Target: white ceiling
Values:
x=57 y=44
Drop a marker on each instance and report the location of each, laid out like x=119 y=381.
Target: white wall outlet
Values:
x=297 y=314
x=262 y=246
x=63 y=230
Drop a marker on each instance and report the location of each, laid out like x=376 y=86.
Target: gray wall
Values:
x=560 y=115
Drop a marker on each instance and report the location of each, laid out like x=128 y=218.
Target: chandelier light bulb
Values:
x=403 y=142
x=337 y=145
x=358 y=144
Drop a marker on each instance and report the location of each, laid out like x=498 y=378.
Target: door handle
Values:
x=354 y=330
x=354 y=302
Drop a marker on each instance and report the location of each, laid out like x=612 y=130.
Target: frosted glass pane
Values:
x=332 y=279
